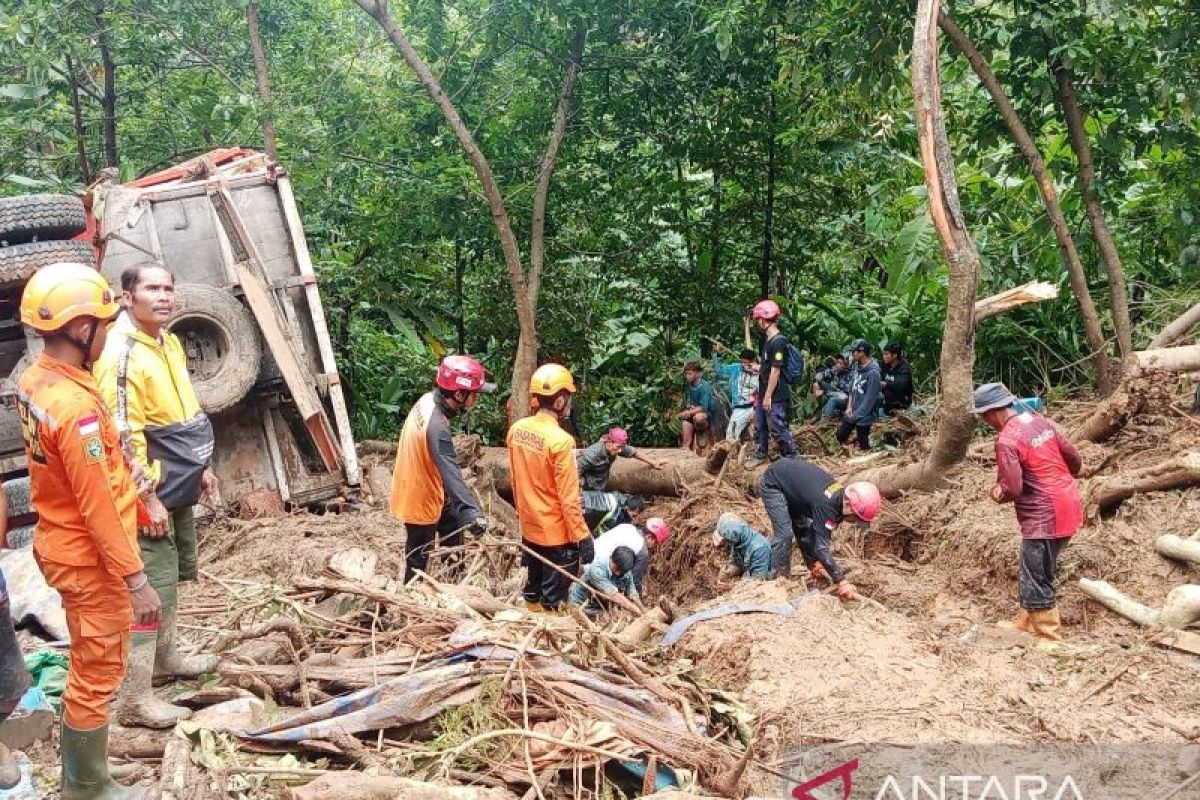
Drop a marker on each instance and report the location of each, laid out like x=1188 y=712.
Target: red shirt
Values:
x=1036 y=465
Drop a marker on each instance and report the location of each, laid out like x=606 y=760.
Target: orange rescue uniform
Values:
x=545 y=482
x=86 y=538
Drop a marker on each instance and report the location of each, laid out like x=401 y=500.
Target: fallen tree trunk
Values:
x=1134 y=390
x=683 y=469
x=1016 y=297
x=1180 y=609
x=1175 y=330
x=1178 y=548
x=1174 y=473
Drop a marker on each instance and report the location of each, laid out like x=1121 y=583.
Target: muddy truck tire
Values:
x=20 y=261
x=40 y=217
x=221 y=343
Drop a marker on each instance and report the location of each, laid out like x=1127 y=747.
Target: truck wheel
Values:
x=221 y=343
x=41 y=217
x=19 y=262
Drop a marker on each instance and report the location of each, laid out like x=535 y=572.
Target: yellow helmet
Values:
x=550 y=379
x=60 y=293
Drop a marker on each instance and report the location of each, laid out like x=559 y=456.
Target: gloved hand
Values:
x=846 y=591
x=817 y=572
x=587 y=550
x=479 y=526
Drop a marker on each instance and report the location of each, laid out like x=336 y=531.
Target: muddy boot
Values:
x=10 y=771
x=136 y=705
x=1022 y=622
x=85 y=773
x=1046 y=624
x=167 y=659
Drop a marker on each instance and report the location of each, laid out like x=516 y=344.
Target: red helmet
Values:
x=616 y=435
x=766 y=309
x=658 y=528
x=864 y=500
x=462 y=374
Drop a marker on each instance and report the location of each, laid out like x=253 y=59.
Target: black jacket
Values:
x=897 y=386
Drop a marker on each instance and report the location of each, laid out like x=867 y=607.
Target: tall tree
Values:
x=109 y=97
x=263 y=80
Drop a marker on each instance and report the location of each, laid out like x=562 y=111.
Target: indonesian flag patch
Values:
x=89 y=426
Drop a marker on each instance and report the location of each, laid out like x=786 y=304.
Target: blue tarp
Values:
x=680 y=626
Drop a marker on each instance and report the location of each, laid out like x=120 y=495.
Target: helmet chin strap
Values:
x=86 y=345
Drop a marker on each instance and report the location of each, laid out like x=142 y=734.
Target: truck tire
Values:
x=40 y=217
x=19 y=262
x=221 y=342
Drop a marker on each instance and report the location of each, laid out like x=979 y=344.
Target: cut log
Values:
x=1134 y=390
x=683 y=469
x=1169 y=359
x=1180 y=609
x=642 y=628
x=1176 y=547
x=1179 y=472
x=1176 y=329
x=1018 y=296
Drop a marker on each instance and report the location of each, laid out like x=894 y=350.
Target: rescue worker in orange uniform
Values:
x=429 y=494
x=87 y=500
x=545 y=486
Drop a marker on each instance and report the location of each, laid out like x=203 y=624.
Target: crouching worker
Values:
x=642 y=545
x=749 y=550
x=88 y=513
x=429 y=494
x=606 y=578
x=1036 y=467
x=143 y=377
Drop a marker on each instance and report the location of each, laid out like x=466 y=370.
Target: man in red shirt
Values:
x=1036 y=467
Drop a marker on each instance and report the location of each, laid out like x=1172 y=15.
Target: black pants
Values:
x=543 y=584
x=423 y=538
x=1039 y=564
x=863 y=431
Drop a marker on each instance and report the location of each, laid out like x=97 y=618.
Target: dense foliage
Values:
x=716 y=151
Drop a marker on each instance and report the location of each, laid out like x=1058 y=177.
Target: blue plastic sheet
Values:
x=680 y=626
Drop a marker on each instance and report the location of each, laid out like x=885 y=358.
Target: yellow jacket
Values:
x=158 y=389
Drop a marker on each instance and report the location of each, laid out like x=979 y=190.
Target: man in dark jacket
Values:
x=864 y=397
x=896 y=379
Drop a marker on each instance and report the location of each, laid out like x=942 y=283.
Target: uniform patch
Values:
x=89 y=426
x=833 y=489
x=94 y=450
x=779 y=355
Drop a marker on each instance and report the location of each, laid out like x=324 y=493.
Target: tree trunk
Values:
x=460 y=322
x=108 y=101
x=683 y=469
x=263 y=78
x=1105 y=494
x=526 y=319
x=1118 y=294
x=1118 y=408
x=1175 y=331
x=81 y=158
x=1180 y=609
x=766 y=269
x=955 y=424
x=1062 y=233
x=1017 y=297
x=1176 y=547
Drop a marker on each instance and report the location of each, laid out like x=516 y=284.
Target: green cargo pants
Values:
x=172 y=558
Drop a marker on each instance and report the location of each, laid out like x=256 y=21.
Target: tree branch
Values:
x=1176 y=329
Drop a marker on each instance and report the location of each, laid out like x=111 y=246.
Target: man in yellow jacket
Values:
x=545 y=486
x=144 y=379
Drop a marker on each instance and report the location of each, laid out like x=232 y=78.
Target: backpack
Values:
x=793 y=365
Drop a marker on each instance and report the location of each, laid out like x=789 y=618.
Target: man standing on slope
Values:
x=429 y=494
x=88 y=512
x=545 y=486
x=806 y=503
x=864 y=398
x=774 y=395
x=143 y=377
x=1036 y=467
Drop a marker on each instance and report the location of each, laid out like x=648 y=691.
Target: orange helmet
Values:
x=60 y=293
x=550 y=379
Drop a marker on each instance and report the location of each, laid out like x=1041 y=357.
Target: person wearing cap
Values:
x=429 y=494
x=1036 y=466
x=742 y=377
x=604 y=578
x=774 y=395
x=595 y=461
x=90 y=501
x=896 y=379
x=700 y=404
x=144 y=379
x=806 y=504
x=864 y=397
x=641 y=543
x=833 y=384
x=545 y=487
x=749 y=551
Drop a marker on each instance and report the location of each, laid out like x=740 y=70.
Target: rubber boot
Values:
x=1022 y=622
x=1046 y=624
x=85 y=773
x=168 y=661
x=136 y=705
x=533 y=608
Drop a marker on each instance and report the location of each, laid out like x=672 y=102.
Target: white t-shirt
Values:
x=621 y=536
